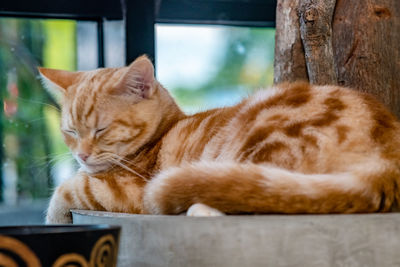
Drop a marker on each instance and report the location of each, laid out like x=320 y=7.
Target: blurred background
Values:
x=202 y=66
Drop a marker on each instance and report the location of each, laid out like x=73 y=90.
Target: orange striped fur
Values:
x=293 y=148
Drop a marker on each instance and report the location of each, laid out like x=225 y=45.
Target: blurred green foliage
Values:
x=27 y=140
x=246 y=65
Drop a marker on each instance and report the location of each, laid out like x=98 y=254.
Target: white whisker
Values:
x=116 y=161
x=127 y=161
x=38 y=102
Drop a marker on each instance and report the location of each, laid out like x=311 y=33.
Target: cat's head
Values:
x=108 y=114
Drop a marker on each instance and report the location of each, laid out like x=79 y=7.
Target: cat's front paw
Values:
x=59 y=210
x=58 y=217
x=201 y=210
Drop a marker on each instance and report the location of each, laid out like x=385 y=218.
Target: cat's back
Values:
x=188 y=139
x=296 y=126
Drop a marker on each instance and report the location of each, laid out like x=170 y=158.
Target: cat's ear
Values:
x=57 y=81
x=138 y=79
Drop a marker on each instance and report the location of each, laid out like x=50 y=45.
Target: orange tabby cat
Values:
x=294 y=148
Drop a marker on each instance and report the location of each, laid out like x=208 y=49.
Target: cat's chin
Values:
x=94 y=168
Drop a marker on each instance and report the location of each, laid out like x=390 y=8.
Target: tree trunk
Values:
x=316 y=35
x=352 y=43
x=289 y=64
x=367 y=48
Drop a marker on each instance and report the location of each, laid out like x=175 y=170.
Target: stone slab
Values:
x=262 y=240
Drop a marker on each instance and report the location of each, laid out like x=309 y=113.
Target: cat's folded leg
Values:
x=65 y=198
x=58 y=211
x=101 y=192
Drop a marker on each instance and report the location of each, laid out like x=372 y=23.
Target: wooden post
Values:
x=367 y=48
x=351 y=43
x=289 y=63
x=316 y=35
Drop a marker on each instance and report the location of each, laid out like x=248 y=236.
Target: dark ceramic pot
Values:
x=56 y=246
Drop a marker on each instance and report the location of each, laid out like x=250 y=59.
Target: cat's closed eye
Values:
x=70 y=132
x=100 y=130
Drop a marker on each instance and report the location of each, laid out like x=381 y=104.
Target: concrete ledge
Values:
x=268 y=240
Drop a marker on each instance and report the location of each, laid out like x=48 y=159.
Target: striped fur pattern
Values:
x=292 y=148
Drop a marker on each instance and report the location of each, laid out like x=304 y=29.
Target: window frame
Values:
x=140 y=16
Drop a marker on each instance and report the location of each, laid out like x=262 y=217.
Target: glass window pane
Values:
x=86 y=45
x=114 y=43
x=213 y=66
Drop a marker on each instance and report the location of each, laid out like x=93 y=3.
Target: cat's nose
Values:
x=83 y=156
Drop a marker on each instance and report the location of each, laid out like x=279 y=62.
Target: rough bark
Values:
x=316 y=35
x=289 y=64
x=367 y=48
x=352 y=43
